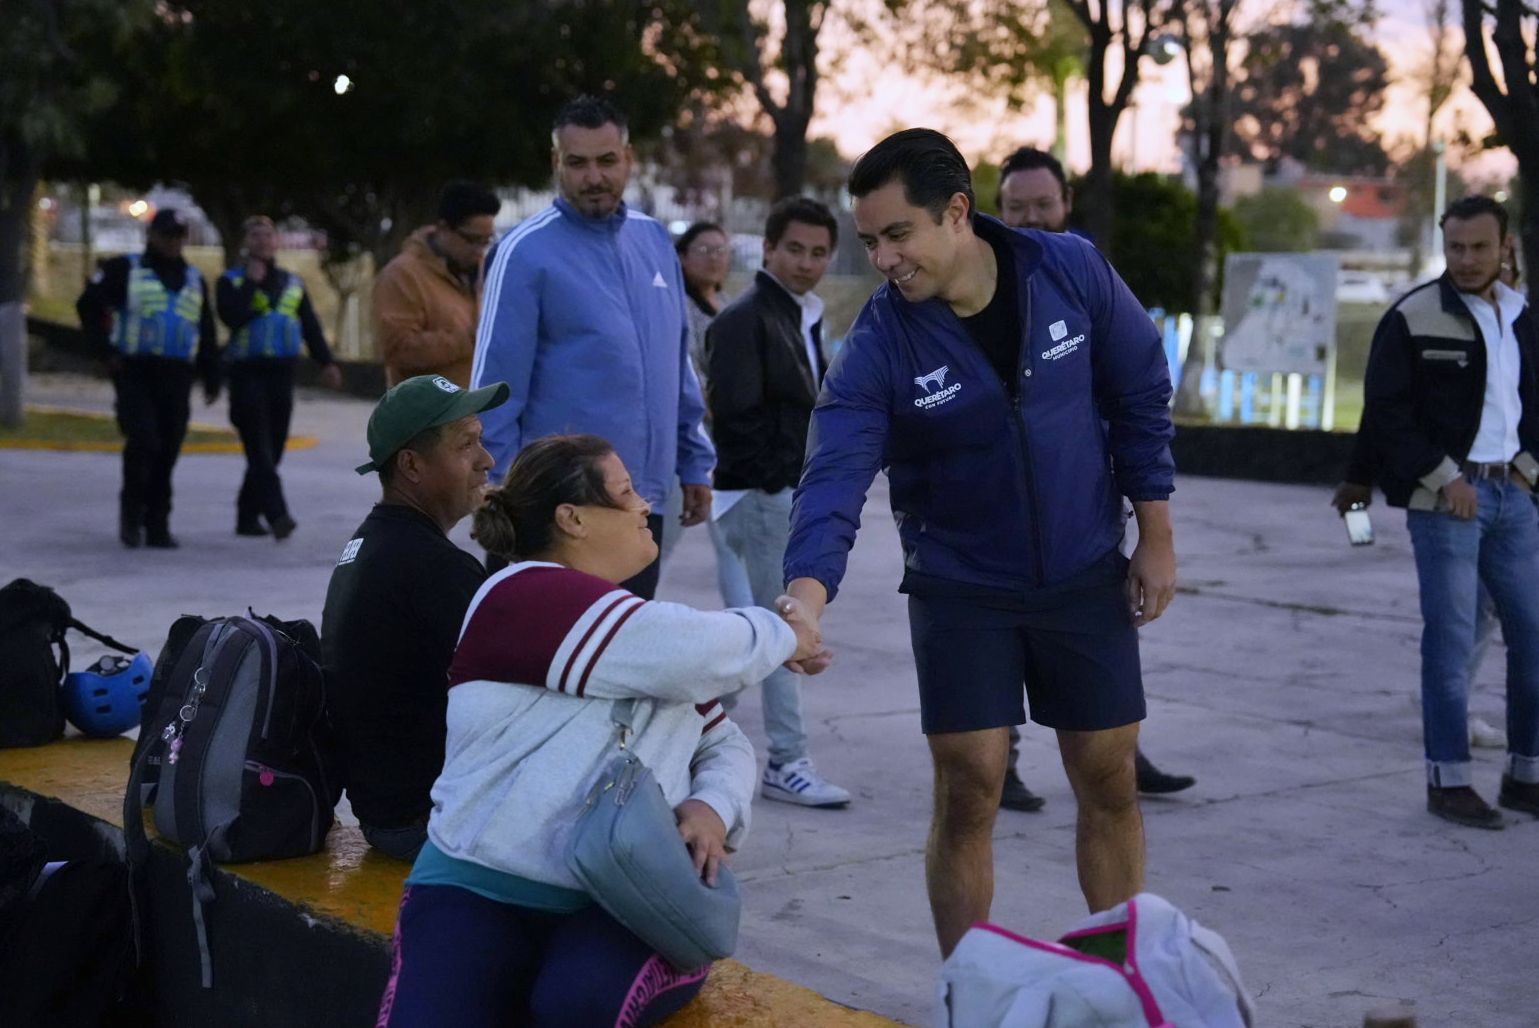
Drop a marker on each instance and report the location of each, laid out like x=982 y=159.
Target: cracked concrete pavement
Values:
x=1282 y=677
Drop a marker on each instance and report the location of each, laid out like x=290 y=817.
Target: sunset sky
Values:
x=863 y=98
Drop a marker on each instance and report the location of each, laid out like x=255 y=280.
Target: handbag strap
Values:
x=623 y=714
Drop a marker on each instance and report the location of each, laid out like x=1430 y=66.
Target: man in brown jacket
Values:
x=425 y=299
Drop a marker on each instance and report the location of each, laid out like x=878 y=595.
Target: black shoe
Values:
x=1156 y=782
x=251 y=526
x=1017 y=797
x=1463 y=806
x=130 y=533
x=160 y=539
x=283 y=527
x=1516 y=795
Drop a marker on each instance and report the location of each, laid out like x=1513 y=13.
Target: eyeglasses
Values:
x=480 y=242
x=702 y=250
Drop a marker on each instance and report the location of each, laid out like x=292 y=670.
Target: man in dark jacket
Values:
x=396 y=600
x=268 y=312
x=148 y=315
x=764 y=362
x=1017 y=394
x=1035 y=193
x=1452 y=415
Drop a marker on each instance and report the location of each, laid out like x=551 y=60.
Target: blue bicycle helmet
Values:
x=106 y=699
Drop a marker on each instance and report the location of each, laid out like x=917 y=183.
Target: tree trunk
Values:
x=799 y=56
x=1212 y=125
x=1103 y=127
x=1528 y=230
x=16 y=205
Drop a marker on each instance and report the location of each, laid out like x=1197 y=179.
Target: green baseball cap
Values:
x=418 y=404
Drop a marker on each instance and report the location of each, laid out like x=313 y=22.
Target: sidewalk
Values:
x=1282 y=677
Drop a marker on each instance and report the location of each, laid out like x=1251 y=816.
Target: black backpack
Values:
x=247 y=767
x=33 y=620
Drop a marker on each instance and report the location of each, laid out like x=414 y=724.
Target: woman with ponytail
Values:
x=494 y=929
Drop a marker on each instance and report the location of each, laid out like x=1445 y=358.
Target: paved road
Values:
x=1282 y=677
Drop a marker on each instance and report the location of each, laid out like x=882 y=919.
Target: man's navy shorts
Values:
x=1072 y=644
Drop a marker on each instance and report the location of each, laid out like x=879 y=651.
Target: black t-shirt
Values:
x=997 y=328
x=392 y=618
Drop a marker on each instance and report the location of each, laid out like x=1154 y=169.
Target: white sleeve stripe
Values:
x=575 y=635
x=486 y=587
x=493 y=291
x=596 y=639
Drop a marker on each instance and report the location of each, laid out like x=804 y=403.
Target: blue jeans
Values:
x=756 y=529
x=1498 y=549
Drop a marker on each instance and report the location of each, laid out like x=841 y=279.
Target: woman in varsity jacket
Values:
x=494 y=929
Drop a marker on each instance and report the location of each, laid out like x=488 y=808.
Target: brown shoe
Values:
x=1516 y=795
x=1463 y=806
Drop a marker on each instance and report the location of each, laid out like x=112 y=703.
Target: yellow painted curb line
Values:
x=297 y=442
x=360 y=887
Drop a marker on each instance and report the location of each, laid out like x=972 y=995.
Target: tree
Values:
x=1130 y=26
x=1513 y=102
x=1206 y=29
x=1437 y=76
x=1154 y=218
x=320 y=120
x=744 y=45
x=1277 y=220
x=1309 y=88
x=55 y=72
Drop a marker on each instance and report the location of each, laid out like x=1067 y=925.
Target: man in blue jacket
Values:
x=582 y=315
x=1015 y=392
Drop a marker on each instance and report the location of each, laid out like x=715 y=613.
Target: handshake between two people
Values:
x=811 y=656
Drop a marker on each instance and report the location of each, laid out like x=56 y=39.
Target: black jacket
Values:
x=1425 y=390
x=760 y=390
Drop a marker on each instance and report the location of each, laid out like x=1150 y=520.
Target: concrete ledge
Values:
x=303 y=941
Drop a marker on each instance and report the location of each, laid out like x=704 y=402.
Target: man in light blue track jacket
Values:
x=582 y=315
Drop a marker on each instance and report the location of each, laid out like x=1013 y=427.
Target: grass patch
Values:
x=51 y=428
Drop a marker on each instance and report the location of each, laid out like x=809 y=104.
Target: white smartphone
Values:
x=1359 y=527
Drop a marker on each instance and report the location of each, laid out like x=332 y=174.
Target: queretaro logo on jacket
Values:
x=1063 y=347
x=936 y=391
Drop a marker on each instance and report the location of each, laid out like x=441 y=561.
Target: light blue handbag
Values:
x=627 y=853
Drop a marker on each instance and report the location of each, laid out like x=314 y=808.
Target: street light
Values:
x=343 y=84
x=1338 y=194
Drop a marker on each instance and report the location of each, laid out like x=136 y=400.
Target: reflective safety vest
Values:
x=274 y=332
x=154 y=322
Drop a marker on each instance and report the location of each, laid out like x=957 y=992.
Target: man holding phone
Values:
x=1452 y=419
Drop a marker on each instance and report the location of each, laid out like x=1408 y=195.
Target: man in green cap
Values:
x=396 y=600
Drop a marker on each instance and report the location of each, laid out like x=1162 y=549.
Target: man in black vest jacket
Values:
x=764 y=364
x=1451 y=414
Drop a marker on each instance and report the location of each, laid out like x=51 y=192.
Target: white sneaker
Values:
x=1486 y=736
x=799 y=782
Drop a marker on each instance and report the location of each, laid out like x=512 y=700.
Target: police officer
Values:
x=268 y=312
x=149 y=315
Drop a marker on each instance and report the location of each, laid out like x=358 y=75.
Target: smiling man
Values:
x=1451 y=416
x=582 y=314
x=396 y=599
x=1016 y=392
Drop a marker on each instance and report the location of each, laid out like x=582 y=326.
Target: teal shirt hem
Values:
x=435 y=867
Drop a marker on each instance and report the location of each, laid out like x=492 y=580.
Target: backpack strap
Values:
x=100 y=637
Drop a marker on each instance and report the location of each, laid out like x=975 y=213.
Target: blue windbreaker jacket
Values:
x=584 y=319
x=986 y=490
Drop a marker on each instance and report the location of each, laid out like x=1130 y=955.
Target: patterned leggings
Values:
x=460 y=960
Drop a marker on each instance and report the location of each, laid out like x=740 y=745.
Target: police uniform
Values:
x=267 y=322
x=150 y=315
